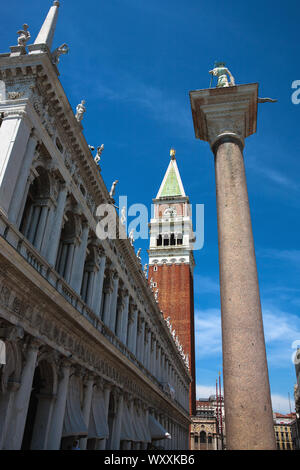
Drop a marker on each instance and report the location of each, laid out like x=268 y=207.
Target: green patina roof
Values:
x=171 y=186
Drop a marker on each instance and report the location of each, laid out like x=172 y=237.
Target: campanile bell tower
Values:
x=171 y=262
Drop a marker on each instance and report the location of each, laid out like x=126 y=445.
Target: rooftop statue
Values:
x=61 y=50
x=131 y=237
x=145 y=269
x=24 y=35
x=123 y=215
x=113 y=188
x=222 y=72
x=80 y=110
x=99 y=152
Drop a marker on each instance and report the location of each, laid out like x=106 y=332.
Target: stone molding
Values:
x=225 y=111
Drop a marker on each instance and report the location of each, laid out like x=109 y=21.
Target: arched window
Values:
x=203 y=437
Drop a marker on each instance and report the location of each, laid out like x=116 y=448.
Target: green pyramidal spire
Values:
x=172 y=184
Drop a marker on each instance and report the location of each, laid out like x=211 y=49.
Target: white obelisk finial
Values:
x=47 y=31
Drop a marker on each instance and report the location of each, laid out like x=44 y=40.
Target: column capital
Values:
x=229 y=112
x=33 y=344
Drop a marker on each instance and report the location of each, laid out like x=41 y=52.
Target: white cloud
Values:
x=281 y=404
x=281 y=330
x=204 y=391
x=208 y=340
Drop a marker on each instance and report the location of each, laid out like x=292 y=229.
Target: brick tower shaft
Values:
x=171 y=263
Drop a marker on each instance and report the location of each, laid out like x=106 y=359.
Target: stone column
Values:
x=14 y=135
x=132 y=328
x=59 y=407
x=114 y=301
x=148 y=350
x=106 y=392
x=224 y=117
x=15 y=432
x=54 y=239
x=124 y=320
x=153 y=355
x=79 y=259
x=20 y=193
x=44 y=208
x=108 y=290
x=141 y=339
x=98 y=288
x=116 y=432
x=158 y=364
x=86 y=409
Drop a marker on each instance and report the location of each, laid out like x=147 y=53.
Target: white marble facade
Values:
x=87 y=351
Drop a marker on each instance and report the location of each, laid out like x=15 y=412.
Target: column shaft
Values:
x=246 y=382
x=98 y=288
x=15 y=432
x=54 y=238
x=59 y=410
x=20 y=193
x=14 y=136
x=79 y=260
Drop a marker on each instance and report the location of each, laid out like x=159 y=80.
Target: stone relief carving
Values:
x=15 y=95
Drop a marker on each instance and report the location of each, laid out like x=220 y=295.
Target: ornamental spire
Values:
x=47 y=31
x=171 y=185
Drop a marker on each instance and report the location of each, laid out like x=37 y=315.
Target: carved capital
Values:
x=12 y=333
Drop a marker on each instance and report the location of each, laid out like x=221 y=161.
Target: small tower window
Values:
x=155 y=268
x=172 y=240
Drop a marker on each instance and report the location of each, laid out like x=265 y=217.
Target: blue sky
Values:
x=134 y=62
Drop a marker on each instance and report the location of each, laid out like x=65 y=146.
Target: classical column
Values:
x=107 y=290
x=54 y=239
x=114 y=301
x=87 y=403
x=158 y=363
x=225 y=117
x=59 y=407
x=116 y=432
x=147 y=359
x=98 y=289
x=79 y=259
x=153 y=355
x=124 y=319
x=44 y=211
x=15 y=431
x=14 y=135
x=132 y=327
x=19 y=196
x=106 y=392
